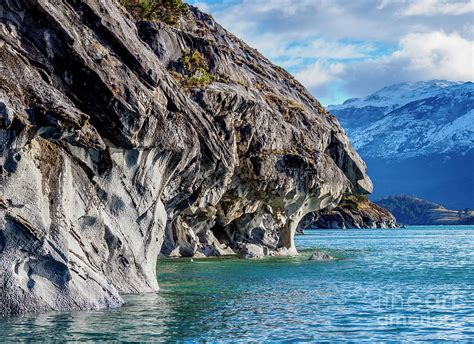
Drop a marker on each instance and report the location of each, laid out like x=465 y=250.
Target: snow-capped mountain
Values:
x=411 y=119
x=398 y=95
x=421 y=133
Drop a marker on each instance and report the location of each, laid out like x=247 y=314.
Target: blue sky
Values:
x=348 y=48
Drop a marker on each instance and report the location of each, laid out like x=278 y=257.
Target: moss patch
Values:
x=168 y=11
x=192 y=70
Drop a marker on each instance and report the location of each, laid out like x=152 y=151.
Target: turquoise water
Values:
x=386 y=285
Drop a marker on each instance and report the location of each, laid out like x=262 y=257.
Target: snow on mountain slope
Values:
x=416 y=138
x=411 y=119
x=399 y=94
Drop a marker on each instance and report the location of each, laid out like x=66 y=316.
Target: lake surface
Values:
x=402 y=284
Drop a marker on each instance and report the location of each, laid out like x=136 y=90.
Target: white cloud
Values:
x=202 y=6
x=420 y=56
x=384 y=3
x=429 y=7
x=291 y=54
x=341 y=48
x=319 y=74
x=320 y=48
x=438 y=7
x=437 y=55
x=298 y=19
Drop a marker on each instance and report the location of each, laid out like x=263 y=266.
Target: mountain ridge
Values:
x=416 y=138
x=406 y=91
x=411 y=210
x=442 y=112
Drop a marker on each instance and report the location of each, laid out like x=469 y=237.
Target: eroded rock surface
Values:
x=320 y=256
x=109 y=147
x=363 y=214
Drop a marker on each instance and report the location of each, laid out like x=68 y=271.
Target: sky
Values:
x=341 y=49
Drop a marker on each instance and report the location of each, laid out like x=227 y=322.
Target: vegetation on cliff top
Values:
x=167 y=11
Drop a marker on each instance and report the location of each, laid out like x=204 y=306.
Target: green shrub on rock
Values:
x=192 y=70
x=168 y=11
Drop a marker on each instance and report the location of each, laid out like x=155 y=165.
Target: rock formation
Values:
x=352 y=212
x=320 y=256
x=118 y=135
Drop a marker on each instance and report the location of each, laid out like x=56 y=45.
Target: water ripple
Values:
x=394 y=285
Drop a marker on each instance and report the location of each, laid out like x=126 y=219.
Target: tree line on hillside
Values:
x=410 y=210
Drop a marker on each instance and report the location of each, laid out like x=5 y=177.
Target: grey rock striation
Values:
x=112 y=153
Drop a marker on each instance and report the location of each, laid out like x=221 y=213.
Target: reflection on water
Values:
x=415 y=283
x=115 y=324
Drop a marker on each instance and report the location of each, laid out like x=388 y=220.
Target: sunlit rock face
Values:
x=109 y=148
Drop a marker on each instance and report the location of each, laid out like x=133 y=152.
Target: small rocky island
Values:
x=128 y=132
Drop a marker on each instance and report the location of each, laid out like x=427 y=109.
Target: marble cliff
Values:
x=124 y=138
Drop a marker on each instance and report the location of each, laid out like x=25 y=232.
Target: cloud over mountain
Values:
x=341 y=49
